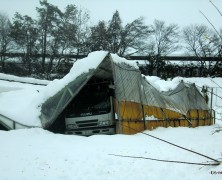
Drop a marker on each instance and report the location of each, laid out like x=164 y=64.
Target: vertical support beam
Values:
x=144 y=120
x=165 y=118
x=211 y=107
x=119 y=117
x=14 y=125
x=141 y=102
x=189 y=120
x=117 y=101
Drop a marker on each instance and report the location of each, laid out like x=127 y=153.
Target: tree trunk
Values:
x=44 y=50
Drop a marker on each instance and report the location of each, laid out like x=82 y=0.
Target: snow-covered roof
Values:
x=25 y=80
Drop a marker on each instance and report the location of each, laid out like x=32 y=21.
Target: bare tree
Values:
x=216 y=71
x=163 y=41
x=79 y=20
x=5 y=40
x=202 y=42
x=218 y=43
x=134 y=37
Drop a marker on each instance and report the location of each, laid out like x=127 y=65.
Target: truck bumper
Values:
x=88 y=132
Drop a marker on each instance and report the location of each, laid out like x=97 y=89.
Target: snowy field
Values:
x=39 y=154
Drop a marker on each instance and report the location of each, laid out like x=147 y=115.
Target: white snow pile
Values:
x=38 y=154
x=24 y=105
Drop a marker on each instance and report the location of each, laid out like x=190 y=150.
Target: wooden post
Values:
x=165 y=118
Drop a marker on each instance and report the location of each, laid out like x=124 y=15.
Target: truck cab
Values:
x=91 y=111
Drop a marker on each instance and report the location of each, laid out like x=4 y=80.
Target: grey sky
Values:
x=181 y=12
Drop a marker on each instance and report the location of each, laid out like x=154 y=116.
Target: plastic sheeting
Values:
x=56 y=104
x=53 y=106
x=187 y=97
x=153 y=98
x=127 y=82
x=137 y=98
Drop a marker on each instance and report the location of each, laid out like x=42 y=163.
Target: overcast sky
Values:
x=181 y=12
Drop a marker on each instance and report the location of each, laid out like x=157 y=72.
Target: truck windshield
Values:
x=92 y=100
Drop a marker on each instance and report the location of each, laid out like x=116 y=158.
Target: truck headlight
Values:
x=104 y=123
x=71 y=126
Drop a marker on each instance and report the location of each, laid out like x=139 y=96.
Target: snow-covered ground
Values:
x=38 y=154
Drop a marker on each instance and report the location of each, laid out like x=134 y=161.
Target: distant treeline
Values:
x=170 y=67
x=48 y=45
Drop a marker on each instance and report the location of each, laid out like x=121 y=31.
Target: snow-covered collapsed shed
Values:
x=138 y=104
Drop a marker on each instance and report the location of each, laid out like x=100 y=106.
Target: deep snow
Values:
x=38 y=154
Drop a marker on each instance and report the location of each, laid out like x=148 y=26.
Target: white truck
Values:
x=91 y=111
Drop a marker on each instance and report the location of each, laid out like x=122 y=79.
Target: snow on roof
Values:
x=81 y=66
x=118 y=60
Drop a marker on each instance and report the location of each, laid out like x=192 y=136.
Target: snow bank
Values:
x=38 y=154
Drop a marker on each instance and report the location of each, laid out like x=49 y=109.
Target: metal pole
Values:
x=211 y=107
x=141 y=102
